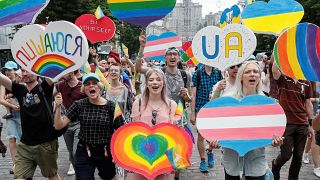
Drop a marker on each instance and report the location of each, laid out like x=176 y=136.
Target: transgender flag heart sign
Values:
x=242 y=125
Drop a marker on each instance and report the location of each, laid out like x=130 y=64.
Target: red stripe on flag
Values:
x=186 y=46
x=270 y=109
x=242 y=133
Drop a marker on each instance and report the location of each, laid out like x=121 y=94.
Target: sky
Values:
x=213 y=5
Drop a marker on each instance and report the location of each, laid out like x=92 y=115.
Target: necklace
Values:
x=153 y=108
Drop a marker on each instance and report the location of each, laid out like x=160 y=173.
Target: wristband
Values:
x=140 y=55
x=310 y=122
x=216 y=94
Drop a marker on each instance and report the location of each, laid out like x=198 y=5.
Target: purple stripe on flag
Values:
x=24 y=16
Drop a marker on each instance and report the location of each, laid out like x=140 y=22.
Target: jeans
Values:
x=294 y=142
x=14 y=126
x=85 y=165
x=71 y=139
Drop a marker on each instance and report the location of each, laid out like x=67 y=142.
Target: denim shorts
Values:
x=14 y=126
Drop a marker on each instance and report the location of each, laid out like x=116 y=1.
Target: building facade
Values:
x=185 y=19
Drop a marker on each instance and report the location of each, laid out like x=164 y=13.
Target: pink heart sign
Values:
x=96 y=30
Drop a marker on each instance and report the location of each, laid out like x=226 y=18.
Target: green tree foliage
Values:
x=70 y=10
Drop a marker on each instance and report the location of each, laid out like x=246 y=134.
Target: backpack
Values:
x=183 y=74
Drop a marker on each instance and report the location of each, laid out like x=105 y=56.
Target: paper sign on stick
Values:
x=96 y=30
x=156 y=46
x=230 y=16
x=297 y=52
x=272 y=17
x=242 y=125
x=51 y=51
x=222 y=48
x=145 y=150
x=20 y=11
x=140 y=12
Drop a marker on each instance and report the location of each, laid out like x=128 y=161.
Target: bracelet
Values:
x=216 y=94
x=140 y=55
x=310 y=122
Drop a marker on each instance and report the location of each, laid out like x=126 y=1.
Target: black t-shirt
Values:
x=36 y=122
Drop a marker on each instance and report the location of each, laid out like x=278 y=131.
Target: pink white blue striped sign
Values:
x=242 y=125
x=156 y=46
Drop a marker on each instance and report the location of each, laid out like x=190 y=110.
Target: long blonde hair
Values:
x=237 y=90
x=146 y=92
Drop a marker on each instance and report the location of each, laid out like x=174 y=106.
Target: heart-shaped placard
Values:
x=272 y=17
x=140 y=12
x=20 y=11
x=156 y=46
x=139 y=148
x=230 y=16
x=96 y=30
x=242 y=125
x=222 y=48
x=297 y=52
x=51 y=51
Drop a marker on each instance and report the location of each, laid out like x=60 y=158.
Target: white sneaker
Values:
x=316 y=171
x=305 y=158
x=70 y=171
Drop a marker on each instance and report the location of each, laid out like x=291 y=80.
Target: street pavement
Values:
x=192 y=173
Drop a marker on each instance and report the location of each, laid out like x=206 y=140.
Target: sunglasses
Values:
x=238 y=66
x=154 y=115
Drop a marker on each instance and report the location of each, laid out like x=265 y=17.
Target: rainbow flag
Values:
x=117 y=111
x=102 y=78
x=187 y=54
x=179 y=110
x=20 y=11
x=86 y=68
x=176 y=158
x=99 y=13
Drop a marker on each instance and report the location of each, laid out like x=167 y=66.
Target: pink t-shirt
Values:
x=144 y=114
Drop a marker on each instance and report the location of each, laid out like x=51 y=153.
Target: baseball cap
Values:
x=115 y=56
x=10 y=65
x=89 y=76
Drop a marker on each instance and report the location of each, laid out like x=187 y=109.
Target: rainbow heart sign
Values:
x=230 y=16
x=150 y=151
x=297 y=52
x=51 y=51
x=156 y=46
x=222 y=48
x=140 y=12
x=272 y=17
x=96 y=30
x=20 y=11
x=242 y=125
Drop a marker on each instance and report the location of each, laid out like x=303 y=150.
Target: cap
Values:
x=115 y=56
x=89 y=76
x=10 y=65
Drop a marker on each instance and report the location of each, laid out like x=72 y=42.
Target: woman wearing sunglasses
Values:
x=97 y=124
x=152 y=108
x=253 y=164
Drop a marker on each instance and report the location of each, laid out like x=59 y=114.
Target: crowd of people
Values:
x=82 y=109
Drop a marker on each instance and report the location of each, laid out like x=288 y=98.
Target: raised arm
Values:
x=275 y=70
x=59 y=120
x=6 y=82
x=139 y=67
